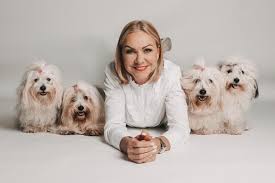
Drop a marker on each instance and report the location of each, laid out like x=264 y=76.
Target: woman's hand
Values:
x=140 y=151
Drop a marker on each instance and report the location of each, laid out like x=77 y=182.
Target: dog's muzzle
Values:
x=43 y=93
x=80 y=113
x=202 y=97
x=234 y=85
x=43 y=90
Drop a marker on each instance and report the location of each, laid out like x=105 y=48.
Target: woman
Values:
x=143 y=90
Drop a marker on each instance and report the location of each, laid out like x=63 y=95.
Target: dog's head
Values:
x=41 y=84
x=240 y=76
x=81 y=103
x=203 y=88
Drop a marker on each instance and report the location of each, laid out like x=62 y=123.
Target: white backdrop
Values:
x=80 y=35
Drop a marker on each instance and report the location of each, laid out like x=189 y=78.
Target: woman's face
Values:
x=140 y=55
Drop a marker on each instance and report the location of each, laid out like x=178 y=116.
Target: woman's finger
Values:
x=153 y=158
x=142 y=156
x=141 y=150
x=135 y=143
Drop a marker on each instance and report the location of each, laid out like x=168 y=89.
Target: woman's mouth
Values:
x=140 y=68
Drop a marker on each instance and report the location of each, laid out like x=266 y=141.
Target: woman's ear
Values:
x=166 y=44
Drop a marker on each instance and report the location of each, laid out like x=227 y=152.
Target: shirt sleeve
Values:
x=115 y=126
x=176 y=112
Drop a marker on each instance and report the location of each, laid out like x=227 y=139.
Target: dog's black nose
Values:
x=43 y=88
x=236 y=80
x=202 y=91
x=80 y=108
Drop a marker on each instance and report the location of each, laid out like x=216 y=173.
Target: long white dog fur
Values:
x=218 y=98
x=240 y=89
x=39 y=97
x=203 y=87
x=82 y=110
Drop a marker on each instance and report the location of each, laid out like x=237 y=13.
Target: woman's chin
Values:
x=141 y=80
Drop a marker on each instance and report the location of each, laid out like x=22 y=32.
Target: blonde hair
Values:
x=133 y=26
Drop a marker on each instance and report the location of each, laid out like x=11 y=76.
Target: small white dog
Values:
x=240 y=89
x=82 y=111
x=39 y=97
x=203 y=87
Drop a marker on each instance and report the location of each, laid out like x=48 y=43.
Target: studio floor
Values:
x=46 y=158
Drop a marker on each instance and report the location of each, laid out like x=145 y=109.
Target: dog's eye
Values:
x=36 y=79
x=242 y=72
x=210 y=80
x=229 y=71
x=197 y=80
x=48 y=79
x=73 y=99
x=85 y=97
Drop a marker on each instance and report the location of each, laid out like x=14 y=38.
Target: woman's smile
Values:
x=140 y=68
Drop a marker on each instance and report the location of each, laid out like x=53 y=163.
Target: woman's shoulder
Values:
x=110 y=74
x=110 y=68
x=110 y=71
x=171 y=70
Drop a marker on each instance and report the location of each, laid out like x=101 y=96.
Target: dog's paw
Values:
x=93 y=132
x=200 y=132
x=28 y=130
x=31 y=129
x=234 y=131
x=66 y=132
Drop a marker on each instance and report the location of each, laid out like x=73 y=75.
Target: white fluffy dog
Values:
x=39 y=97
x=240 y=89
x=203 y=87
x=82 y=111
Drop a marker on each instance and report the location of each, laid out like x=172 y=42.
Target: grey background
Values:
x=80 y=35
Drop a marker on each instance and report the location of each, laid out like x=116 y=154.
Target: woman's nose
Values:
x=139 y=58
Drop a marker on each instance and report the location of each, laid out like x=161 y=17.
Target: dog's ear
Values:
x=256 y=94
x=219 y=65
x=166 y=44
x=23 y=89
x=59 y=94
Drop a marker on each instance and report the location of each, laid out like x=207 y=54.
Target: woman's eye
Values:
x=197 y=80
x=36 y=79
x=85 y=97
x=147 y=50
x=229 y=71
x=129 y=51
x=210 y=80
x=242 y=72
x=48 y=79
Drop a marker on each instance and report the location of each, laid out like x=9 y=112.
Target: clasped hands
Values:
x=142 y=148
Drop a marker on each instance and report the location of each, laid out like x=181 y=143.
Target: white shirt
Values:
x=147 y=105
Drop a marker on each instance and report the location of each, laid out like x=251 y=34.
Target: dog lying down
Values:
x=82 y=111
